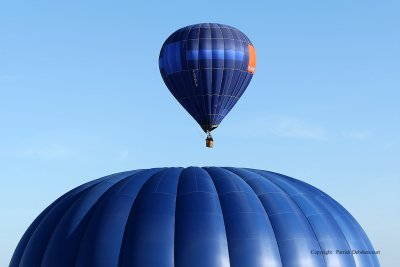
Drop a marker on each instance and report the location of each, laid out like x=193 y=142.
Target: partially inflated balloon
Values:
x=207 y=67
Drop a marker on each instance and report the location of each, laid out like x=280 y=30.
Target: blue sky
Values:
x=81 y=97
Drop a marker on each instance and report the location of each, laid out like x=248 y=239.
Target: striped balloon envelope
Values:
x=195 y=217
x=207 y=67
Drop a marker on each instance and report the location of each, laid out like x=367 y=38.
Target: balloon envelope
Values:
x=207 y=67
x=196 y=217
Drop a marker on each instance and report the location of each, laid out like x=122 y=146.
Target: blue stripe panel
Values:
x=149 y=235
x=65 y=239
x=204 y=53
x=218 y=54
x=111 y=212
x=50 y=211
x=172 y=61
x=287 y=221
x=290 y=226
x=249 y=232
x=354 y=234
x=27 y=238
x=194 y=217
x=199 y=225
x=38 y=243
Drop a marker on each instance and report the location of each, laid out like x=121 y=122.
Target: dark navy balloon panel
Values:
x=207 y=67
x=197 y=217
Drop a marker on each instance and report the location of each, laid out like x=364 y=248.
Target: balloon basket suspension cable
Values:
x=209 y=140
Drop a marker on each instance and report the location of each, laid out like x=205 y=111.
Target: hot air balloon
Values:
x=207 y=67
x=196 y=217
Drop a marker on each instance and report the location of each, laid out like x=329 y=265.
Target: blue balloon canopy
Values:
x=207 y=67
x=197 y=217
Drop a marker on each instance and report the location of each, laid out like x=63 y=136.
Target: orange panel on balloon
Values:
x=252 y=59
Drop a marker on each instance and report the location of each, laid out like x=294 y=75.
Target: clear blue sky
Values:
x=81 y=97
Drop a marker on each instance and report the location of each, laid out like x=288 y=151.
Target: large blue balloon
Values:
x=207 y=67
x=194 y=217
